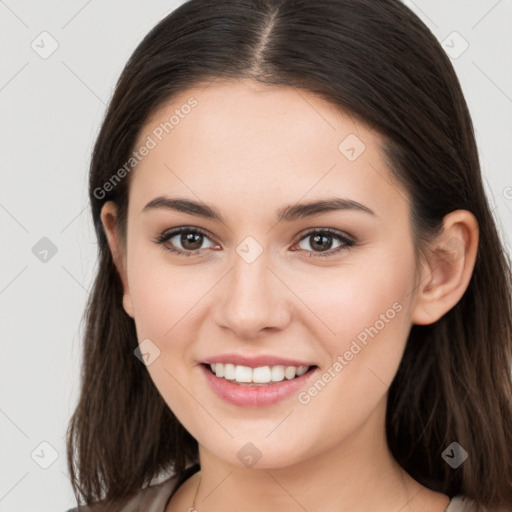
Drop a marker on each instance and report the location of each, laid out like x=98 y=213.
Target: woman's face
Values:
x=267 y=279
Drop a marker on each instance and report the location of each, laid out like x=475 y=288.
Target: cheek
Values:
x=364 y=357
x=368 y=312
x=163 y=296
x=348 y=301
x=167 y=301
x=163 y=310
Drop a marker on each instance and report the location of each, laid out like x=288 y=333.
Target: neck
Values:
x=358 y=474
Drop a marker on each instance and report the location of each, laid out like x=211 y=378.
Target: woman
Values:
x=302 y=301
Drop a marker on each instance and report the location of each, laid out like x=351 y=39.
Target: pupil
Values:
x=319 y=239
x=188 y=239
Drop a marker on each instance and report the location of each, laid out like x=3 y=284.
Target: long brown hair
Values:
x=379 y=62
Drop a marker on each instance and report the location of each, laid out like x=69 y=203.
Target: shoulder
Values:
x=152 y=498
x=462 y=503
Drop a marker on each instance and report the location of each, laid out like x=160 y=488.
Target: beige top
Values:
x=156 y=497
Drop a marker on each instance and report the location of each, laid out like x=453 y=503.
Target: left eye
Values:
x=321 y=242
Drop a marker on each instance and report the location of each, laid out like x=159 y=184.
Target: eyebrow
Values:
x=287 y=214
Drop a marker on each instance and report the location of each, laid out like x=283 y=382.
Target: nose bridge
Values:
x=252 y=298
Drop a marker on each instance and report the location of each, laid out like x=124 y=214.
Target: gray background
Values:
x=51 y=110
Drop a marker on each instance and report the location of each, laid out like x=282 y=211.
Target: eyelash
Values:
x=347 y=242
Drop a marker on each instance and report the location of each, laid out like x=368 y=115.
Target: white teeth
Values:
x=243 y=374
x=301 y=370
x=277 y=373
x=259 y=375
x=289 y=372
x=218 y=369
x=229 y=371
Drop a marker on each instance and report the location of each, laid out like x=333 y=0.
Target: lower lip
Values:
x=258 y=395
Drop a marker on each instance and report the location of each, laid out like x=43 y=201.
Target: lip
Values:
x=255 y=361
x=254 y=396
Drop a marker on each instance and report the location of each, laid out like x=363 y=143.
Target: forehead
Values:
x=245 y=112
x=260 y=142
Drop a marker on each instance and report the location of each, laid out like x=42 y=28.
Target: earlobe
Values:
x=446 y=274
x=109 y=220
x=127 y=304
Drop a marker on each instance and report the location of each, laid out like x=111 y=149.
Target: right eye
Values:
x=190 y=239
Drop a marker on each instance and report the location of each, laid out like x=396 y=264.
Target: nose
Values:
x=252 y=299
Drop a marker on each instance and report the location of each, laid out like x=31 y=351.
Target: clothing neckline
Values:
x=194 y=468
x=185 y=476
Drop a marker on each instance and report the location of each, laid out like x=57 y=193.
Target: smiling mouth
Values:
x=260 y=376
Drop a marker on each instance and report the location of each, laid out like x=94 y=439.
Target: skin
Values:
x=248 y=150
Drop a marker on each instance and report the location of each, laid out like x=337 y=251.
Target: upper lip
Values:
x=255 y=361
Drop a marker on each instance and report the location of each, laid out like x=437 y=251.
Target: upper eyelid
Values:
x=171 y=233
x=331 y=231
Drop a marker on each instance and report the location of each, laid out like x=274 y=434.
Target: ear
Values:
x=109 y=219
x=448 y=269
